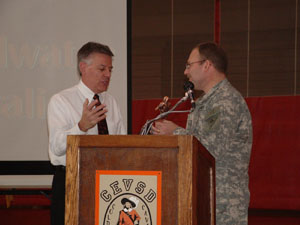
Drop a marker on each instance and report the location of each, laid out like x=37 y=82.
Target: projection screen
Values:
x=38 y=45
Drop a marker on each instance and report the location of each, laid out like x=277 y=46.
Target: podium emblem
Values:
x=128 y=197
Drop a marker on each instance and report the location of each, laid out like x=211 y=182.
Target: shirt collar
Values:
x=127 y=210
x=87 y=93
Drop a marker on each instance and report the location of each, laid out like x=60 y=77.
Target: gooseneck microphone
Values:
x=188 y=88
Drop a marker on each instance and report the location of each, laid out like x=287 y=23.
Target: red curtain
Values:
x=275 y=160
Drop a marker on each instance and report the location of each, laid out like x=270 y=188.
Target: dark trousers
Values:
x=58 y=196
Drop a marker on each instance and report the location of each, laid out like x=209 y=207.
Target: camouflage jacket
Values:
x=222 y=123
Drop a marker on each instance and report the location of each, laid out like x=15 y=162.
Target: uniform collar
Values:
x=212 y=91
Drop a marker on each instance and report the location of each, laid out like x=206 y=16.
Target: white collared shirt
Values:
x=64 y=113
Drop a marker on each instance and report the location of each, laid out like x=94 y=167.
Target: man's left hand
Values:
x=163 y=127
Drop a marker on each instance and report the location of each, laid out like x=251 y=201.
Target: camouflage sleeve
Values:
x=180 y=131
x=220 y=127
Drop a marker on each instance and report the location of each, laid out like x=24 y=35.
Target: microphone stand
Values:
x=148 y=125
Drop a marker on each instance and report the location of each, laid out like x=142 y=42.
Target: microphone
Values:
x=188 y=88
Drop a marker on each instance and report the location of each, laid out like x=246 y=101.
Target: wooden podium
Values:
x=171 y=177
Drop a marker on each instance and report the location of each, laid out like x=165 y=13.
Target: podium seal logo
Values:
x=128 y=197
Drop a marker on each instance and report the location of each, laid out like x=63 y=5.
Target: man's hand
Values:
x=163 y=127
x=91 y=115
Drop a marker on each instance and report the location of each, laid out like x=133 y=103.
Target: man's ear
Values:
x=207 y=64
x=82 y=67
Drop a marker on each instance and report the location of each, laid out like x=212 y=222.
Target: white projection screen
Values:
x=38 y=45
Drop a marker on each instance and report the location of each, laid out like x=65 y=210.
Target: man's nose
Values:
x=107 y=73
x=185 y=72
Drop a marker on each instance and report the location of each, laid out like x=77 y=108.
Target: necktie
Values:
x=102 y=125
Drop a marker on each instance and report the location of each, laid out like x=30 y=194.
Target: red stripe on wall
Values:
x=217 y=22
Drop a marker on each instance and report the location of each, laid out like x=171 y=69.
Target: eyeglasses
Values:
x=188 y=65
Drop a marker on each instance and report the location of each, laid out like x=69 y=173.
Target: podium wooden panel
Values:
x=188 y=174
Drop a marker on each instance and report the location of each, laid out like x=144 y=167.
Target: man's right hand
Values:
x=91 y=115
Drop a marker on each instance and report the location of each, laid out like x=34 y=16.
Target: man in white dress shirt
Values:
x=74 y=111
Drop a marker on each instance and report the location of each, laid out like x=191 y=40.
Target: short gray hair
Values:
x=89 y=48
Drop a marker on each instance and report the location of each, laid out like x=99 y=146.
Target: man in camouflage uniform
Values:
x=222 y=123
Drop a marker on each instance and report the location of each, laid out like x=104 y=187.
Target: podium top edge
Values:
x=129 y=140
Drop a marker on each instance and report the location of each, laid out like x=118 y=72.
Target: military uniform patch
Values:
x=212 y=119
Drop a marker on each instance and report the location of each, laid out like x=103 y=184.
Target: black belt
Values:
x=60 y=168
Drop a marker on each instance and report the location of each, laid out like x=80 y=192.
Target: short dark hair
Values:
x=89 y=48
x=215 y=54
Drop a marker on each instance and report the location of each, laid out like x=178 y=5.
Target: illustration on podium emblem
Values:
x=128 y=197
x=128 y=215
